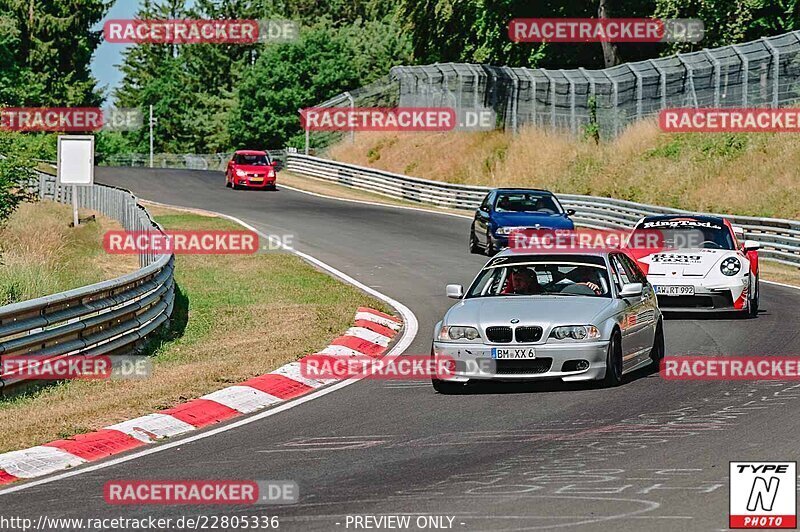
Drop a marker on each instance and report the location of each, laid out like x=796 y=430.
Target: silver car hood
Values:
x=529 y=310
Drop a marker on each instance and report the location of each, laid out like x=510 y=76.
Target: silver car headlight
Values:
x=730 y=266
x=575 y=332
x=457 y=333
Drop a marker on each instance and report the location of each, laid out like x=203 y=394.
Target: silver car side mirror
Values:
x=454 y=291
x=751 y=245
x=631 y=290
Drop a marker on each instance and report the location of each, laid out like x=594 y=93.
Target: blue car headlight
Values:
x=505 y=231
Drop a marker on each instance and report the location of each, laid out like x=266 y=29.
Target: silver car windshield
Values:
x=542 y=278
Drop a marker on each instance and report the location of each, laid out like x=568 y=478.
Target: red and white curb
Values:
x=370 y=335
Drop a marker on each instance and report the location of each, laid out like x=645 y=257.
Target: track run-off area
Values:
x=650 y=454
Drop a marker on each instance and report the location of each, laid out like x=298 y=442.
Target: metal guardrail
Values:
x=188 y=161
x=106 y=318
x=780 y=238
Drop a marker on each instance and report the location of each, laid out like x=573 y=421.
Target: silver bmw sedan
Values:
x=570 y=316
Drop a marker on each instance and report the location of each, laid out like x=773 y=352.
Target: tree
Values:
x=46 y=49
x=475 y=31
x=16 y=173
x=726 y=21
x=772 y=17
x=326 y=61
x=610 y=50
x=190 y=86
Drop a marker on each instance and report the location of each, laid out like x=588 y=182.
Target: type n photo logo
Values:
x=763 y=495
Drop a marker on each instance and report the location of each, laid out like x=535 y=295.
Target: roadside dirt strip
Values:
x=370 y=335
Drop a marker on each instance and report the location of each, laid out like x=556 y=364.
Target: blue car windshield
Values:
x=526 y=202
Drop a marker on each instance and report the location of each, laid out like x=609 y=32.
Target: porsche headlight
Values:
x=450 y=333
x=575 y=332
x=730 y=266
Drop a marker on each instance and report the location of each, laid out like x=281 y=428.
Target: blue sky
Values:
x=107 y=54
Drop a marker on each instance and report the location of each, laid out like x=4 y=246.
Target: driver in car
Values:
x=587 y=276
x=522 y=281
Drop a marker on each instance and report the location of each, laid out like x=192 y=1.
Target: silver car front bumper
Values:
x=474 y=361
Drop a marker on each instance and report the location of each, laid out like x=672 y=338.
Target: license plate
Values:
x=675 y=290
x=256 y=180
x=501 y=353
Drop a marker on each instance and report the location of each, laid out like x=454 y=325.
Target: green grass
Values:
x=235 y=316
x=40 y=254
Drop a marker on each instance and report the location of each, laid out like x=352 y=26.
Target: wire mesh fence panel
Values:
x=762 y=73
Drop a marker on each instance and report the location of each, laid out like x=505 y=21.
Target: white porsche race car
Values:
x=699 y=264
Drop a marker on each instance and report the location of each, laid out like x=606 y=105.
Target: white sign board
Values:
x=76 y=159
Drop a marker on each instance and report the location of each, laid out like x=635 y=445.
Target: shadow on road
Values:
x=548 y=386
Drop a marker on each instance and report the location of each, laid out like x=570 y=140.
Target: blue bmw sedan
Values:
x=504 y=210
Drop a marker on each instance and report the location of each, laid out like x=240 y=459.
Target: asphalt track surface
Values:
x=648 y=455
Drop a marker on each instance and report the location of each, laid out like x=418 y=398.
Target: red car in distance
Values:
x=250 y=169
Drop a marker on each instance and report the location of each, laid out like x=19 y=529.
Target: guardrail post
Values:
x=446 y=87
x=663 y=81
x=552 y=90
x=614 y=99
x=776 y=61
x=300 y=111
x=430 y=98
x=690 y=81
x=492 y=82
x=529 y=73
x=459 y=102
x=514 y=97
x=717 y=74
x=572 y=119
x=590 y=79
x=639 y=90
x=352 y=108
x=476 y=85
x=745 y=72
